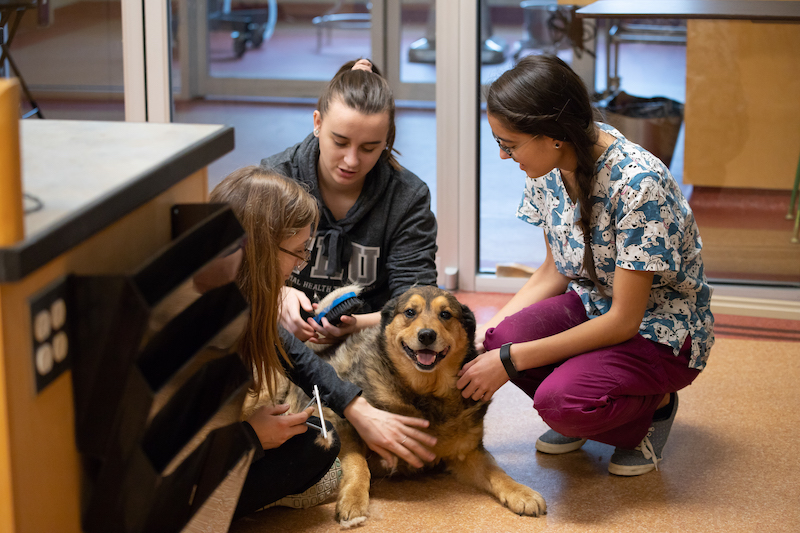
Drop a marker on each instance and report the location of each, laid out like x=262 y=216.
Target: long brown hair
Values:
x=542 y=95
x=271 y=208
x=366 y=92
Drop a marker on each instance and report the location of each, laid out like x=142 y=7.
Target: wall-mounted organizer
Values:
x=158 y=388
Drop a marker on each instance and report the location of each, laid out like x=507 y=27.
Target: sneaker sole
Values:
x=628 y=471
x=558 y=449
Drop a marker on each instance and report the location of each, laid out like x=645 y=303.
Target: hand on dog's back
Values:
x=391 y=435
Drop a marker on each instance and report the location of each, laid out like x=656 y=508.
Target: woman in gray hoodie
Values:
x=377 y=229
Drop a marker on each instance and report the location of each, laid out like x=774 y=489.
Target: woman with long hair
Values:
x=279 y=218
x=376 y=226
x=617 y=318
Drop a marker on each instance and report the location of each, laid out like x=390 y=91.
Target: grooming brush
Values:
x=346 y=304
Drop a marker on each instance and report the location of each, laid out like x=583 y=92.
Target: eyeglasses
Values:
x=510 y=151
x=302 y=258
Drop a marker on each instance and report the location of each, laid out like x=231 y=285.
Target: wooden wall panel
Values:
x=742 y=110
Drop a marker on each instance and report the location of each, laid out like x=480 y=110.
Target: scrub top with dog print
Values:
x=640 y=221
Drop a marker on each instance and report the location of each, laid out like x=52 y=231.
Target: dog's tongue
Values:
x=426 y=357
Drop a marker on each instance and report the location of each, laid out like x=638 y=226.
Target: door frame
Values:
x=146 y=60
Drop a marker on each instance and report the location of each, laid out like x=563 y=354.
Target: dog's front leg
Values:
x=479 y=469
x=351 y=508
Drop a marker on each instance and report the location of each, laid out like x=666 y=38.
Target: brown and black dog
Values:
x=409 y=365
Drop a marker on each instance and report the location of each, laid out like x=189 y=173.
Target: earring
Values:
x=316 y=132
x=558 y=145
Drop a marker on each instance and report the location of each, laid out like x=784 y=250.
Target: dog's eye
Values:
x=445 y=315
x=410 y=313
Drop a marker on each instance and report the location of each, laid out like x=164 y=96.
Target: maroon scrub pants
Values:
x=607 y=395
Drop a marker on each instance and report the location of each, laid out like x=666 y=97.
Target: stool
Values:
x=8 y=9
x=423 y=50
x=332 y=19
x=252 y=26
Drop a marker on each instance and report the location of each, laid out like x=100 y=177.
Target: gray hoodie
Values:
x=386 y=242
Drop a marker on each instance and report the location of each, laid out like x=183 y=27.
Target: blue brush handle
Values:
x=336 y=302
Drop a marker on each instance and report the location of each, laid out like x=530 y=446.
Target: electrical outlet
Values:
x=50 y=333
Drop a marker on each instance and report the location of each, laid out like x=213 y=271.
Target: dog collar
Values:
x=508 y=364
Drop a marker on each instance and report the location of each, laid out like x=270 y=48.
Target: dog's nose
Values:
x=426 y=336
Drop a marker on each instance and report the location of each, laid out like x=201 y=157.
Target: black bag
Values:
x=653 y=123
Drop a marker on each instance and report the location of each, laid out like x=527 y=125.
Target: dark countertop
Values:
x=88 y=174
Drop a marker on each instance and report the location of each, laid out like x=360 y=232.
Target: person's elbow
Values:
x=630 y=330
x=623 y=326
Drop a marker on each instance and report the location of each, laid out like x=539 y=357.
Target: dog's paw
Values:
x=524 y=501
x=351 y=510
x=347 y=524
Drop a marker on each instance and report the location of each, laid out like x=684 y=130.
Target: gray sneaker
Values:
x=646 y=456
x=555 y=443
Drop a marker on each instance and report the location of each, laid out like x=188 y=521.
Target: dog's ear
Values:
x=387 y=313
x=468 y=323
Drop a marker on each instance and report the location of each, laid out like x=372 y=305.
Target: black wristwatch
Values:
x=508 y=364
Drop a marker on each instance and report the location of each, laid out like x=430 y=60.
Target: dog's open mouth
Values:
x=425 y=359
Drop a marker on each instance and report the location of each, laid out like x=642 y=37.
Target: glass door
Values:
x=505 y=244
x=68 y=57
x=747 y=249
x=261 y=67
x=411 y=49
x=289 y=49
x=285 y=49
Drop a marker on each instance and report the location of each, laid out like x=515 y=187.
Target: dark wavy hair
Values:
x=366 y=92
x=542 y=95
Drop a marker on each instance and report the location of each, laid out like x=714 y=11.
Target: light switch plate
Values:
x=50 y=332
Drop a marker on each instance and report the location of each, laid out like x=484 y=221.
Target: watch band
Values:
x=508 y=364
